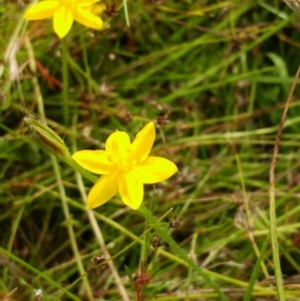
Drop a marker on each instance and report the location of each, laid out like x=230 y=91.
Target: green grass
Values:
x=215 y=77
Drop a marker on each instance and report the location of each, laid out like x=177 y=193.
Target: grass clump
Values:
x=214 y=78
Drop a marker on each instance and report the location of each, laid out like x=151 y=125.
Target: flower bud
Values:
x=46 y=137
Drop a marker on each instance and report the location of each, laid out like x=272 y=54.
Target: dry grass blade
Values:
x=294 y=5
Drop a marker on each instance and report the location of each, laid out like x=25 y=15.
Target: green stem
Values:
x=248 y=214
x=71 y=230
x=273 y=222
x=86 y=62
x=15 y=226
x=65 y=77
x=126 y=13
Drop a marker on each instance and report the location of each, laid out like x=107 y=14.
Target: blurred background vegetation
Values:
x=214 y=76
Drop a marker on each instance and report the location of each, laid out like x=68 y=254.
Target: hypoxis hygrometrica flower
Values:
x=64 y=12
x=125 y=167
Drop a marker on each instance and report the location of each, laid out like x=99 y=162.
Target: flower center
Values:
x=123 y=162
x=67 y=4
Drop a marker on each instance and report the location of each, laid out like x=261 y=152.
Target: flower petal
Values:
x=87 y=18
x=85 y=3
x=96 y=9
x=104 y=189
x=142 y=144
x=155 y=169
x=41 y=10
x=118 y=144
x=62 y=21
x=94 y=161
x=131 y=189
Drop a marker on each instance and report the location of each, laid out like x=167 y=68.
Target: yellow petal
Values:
x=97 y=9
x=88 y=19
x=118 y=144
x=142 y=144
x=104 y=189
x=155 y=169
x=94 y=161
x=41 y=10
x=131 y=189
x=85 y=3
x=62 y=21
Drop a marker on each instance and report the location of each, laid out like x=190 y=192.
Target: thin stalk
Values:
x=126 y=12
x=72 y=235
x=14 y=228
x=273 y=229
x=36 y=86
x=86 y=62
x=65 y=76
x=248 y=215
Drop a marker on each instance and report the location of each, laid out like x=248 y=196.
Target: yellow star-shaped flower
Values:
x=64 y=12
x=125 y=167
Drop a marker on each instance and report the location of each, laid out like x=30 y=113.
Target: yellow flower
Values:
x=125 y=167
x=64 y=12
